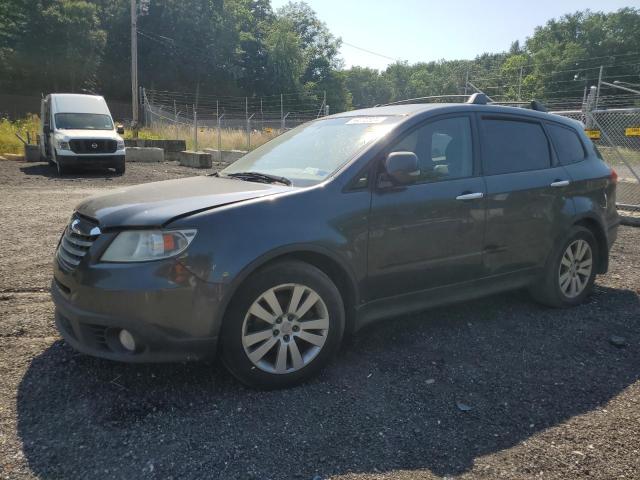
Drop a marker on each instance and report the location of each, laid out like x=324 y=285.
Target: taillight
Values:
x=614 y=176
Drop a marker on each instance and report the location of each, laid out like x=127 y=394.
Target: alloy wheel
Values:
x=575 y=268
x=285 y=328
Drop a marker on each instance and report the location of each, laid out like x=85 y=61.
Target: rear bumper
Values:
x=110 y=160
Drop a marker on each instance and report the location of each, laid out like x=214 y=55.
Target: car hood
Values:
x=156 y=204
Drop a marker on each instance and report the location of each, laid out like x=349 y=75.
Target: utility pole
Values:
x=134 y=66
x=144 y=9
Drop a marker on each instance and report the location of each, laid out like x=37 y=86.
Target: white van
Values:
x=77 y=130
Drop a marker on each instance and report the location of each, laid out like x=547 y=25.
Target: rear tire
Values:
x=570 y=271
x=278 y=347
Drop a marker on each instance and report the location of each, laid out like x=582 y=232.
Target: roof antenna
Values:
x=478 y=99
x=535 y=105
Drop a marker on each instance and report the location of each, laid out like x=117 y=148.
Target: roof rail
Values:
x=473 y=99
x=414 y=100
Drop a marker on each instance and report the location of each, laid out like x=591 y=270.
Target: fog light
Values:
x=127 y=341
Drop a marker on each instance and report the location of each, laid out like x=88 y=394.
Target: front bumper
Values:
x=170 y=318
x=101 y=161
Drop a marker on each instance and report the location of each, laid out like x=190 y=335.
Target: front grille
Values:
x=93 y=146
x=76 y=242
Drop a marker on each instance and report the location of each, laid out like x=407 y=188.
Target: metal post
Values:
x=219 y=136
x=599 y=85
x=466 y=82
x=249 y=131
x=281 y=113
x=326 y=110
x=195 y=129
x=134 y=67
x=520 y=85
x=261 y=116
x=175 y=117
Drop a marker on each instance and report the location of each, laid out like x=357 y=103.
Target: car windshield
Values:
x=311 y=152
x=83 y=121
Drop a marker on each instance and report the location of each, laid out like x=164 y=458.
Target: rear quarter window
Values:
x=567 y=143
x=513 y=146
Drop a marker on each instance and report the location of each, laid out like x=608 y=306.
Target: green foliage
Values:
x=9 y=143
x=558 y=61
x=241 y=47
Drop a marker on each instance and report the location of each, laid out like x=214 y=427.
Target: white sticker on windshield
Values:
x=366 y=120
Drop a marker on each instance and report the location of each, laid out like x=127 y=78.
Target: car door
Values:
x=429 y=233
x=527 y=200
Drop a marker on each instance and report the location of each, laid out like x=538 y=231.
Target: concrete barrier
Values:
x=227 y=158
x=189 y=158
x=172 y=148
x=32 y=153
x=144 y=154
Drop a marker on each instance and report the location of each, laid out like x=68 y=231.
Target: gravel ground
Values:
x=494 y=388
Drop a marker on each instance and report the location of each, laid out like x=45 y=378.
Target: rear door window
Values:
x=513 y=146
x=568 y=146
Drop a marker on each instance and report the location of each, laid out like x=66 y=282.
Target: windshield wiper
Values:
x=259 y=177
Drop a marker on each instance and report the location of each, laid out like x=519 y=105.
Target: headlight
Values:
x=62 y=145
x=120 y=145
x=146 y=245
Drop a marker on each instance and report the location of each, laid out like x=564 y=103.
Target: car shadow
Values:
x=434 y=391
x=44 y=170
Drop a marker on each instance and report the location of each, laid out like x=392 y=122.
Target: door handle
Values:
x=560 y=183
x=470 y=196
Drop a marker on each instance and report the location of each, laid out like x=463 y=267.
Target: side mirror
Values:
x=402 y=167
x=46 y=129
x=120 y=130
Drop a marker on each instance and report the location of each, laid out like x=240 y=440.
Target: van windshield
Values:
x=83 y=121
x=311 y=152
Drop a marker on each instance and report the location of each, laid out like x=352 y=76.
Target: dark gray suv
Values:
x=342 y=221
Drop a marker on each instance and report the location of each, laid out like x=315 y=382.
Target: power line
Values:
x=371 y=52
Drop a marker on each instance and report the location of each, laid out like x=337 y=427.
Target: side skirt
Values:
x=434 y=297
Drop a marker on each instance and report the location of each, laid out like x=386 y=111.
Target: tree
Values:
x=60 y=47
x=286 y=60
x=320 y=47
x=367 y=87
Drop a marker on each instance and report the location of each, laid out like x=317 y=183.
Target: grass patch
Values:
x=9 y=143
x=614 y=156
x=230 y=139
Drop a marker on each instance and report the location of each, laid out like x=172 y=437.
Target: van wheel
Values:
x=570 y=271
x=61 y=168
x=283 y=326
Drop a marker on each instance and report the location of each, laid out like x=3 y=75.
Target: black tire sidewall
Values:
x=233 y=354
x=577 y=233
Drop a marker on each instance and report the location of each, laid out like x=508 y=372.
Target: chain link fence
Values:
x=616 y=133
x=226 y=123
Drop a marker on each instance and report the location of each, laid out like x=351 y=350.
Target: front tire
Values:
x=570 y=271
x=283 y=326
x=61 y=168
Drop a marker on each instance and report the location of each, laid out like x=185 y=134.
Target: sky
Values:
x=417 y=31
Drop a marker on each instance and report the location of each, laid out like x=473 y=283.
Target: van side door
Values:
x=527 y=200
x=429 y=233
